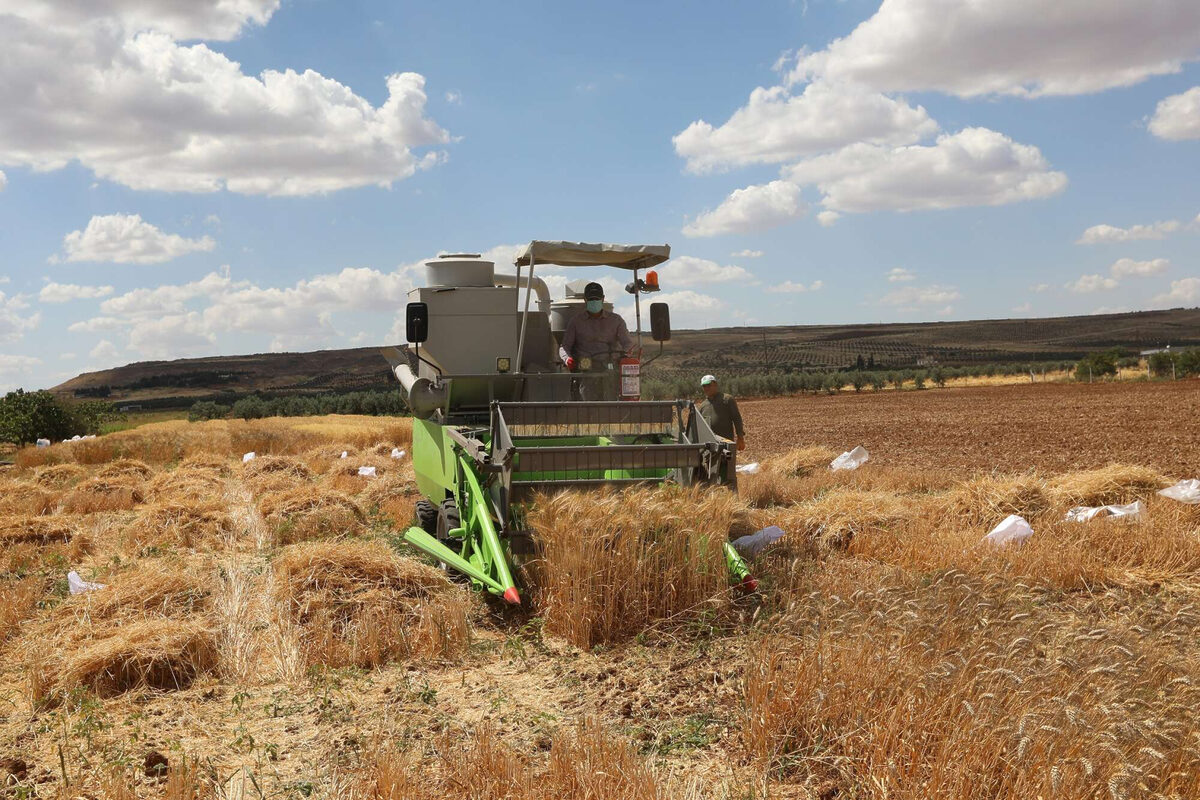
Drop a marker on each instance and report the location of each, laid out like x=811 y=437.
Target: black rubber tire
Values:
x=448 y=519
x=427 y=516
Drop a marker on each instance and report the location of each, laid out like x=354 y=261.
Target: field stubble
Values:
x=259 y=626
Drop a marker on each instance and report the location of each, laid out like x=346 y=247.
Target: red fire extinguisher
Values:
x=631 y=378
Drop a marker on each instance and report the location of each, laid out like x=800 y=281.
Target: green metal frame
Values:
x=446 y=467
x=483 y=557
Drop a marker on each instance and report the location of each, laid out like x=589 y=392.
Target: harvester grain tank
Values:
x=497 y=417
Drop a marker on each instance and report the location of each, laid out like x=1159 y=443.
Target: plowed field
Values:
x=1044 y=426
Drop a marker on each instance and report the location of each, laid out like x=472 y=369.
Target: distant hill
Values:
x=174 y=384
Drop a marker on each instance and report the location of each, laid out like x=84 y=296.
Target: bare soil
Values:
x=1049 y=427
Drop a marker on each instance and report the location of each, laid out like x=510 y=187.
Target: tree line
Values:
x=380 y=403
x=26 y=417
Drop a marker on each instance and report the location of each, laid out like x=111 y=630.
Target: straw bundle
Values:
x=833 y=520
x=310 y=513
x=987 y=499
x=28 y=498
x=360 y=604
x=59 y=476
x=104 y=494
x=799 y=461
x=187 y=524
x=1116 y=483
x=125 y=468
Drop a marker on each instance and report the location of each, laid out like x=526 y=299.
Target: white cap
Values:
x=707 y=379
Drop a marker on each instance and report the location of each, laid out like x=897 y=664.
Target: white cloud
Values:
x=1022 y=47
x=775 y=126
x=3 y=180
x=826 y=218
x=4 y=279
x=66 y=292
x=691 y=271
x=1178 y=116
x=1091 y=283
x=900 y=275
x=1183 y=292
x=754 y=208
x=1127 y=267
x=174 y=336
x=13 y=365
x=689 y=309
x=747 y=254
x=204 y=19
x=974 y=167
x=1040 y=287
x=454 y=98
x=67 y=356
x=108 y=85
x=168 y=299
x=104 y=351
x=212 y=219
x=1104 y=234
x=177 y=319
x=14 y=324
x=1024 y=308
x=127 y=239
x=791 y=287
x=98 y=324
x=914 y=297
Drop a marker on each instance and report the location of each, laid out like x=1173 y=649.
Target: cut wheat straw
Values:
x=359 y=604
x=1116 y=483
x=187 y=524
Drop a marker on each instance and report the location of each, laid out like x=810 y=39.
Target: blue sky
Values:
x=170 y=189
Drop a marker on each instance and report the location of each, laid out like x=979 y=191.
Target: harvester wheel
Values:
x=448 y=519
x=427 y=516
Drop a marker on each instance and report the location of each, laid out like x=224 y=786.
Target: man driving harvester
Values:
x=594 y=338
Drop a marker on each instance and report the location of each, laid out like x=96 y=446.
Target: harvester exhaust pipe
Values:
x=422 y=397
x=539 y=286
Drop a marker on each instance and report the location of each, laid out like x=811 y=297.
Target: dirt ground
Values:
x=1043 y=426
x=681 y=695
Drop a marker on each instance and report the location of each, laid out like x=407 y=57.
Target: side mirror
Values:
x=416 y=322
x=660 y=322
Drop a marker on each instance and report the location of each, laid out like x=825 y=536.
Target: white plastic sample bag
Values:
x=249 y=457
x=345 y=454
x=1186 y=491
x=397 y=452
x=78 y=585
x=756 y=542
x=366 y=472
x=748 y=469
x=1013 y=530
x=1127 y=512
x=851 y=459
x=43 y=442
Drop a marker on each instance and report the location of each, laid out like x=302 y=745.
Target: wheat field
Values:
x=262 y=632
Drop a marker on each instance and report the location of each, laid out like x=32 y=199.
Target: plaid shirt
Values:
x=591 y=337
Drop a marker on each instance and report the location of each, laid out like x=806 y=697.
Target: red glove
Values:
x=570 y=364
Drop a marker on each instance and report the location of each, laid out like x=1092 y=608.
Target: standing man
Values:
x=721 y=413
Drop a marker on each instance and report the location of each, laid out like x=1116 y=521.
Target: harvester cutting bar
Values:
x=588 y=419
x=607 y=457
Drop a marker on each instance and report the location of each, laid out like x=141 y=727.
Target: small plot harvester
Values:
x=497 y=417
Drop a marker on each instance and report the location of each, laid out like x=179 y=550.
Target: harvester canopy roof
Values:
x=586 y=254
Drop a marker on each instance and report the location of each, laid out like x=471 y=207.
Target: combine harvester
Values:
x=497 y=417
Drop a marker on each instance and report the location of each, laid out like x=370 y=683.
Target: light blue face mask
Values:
x=595 y=306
